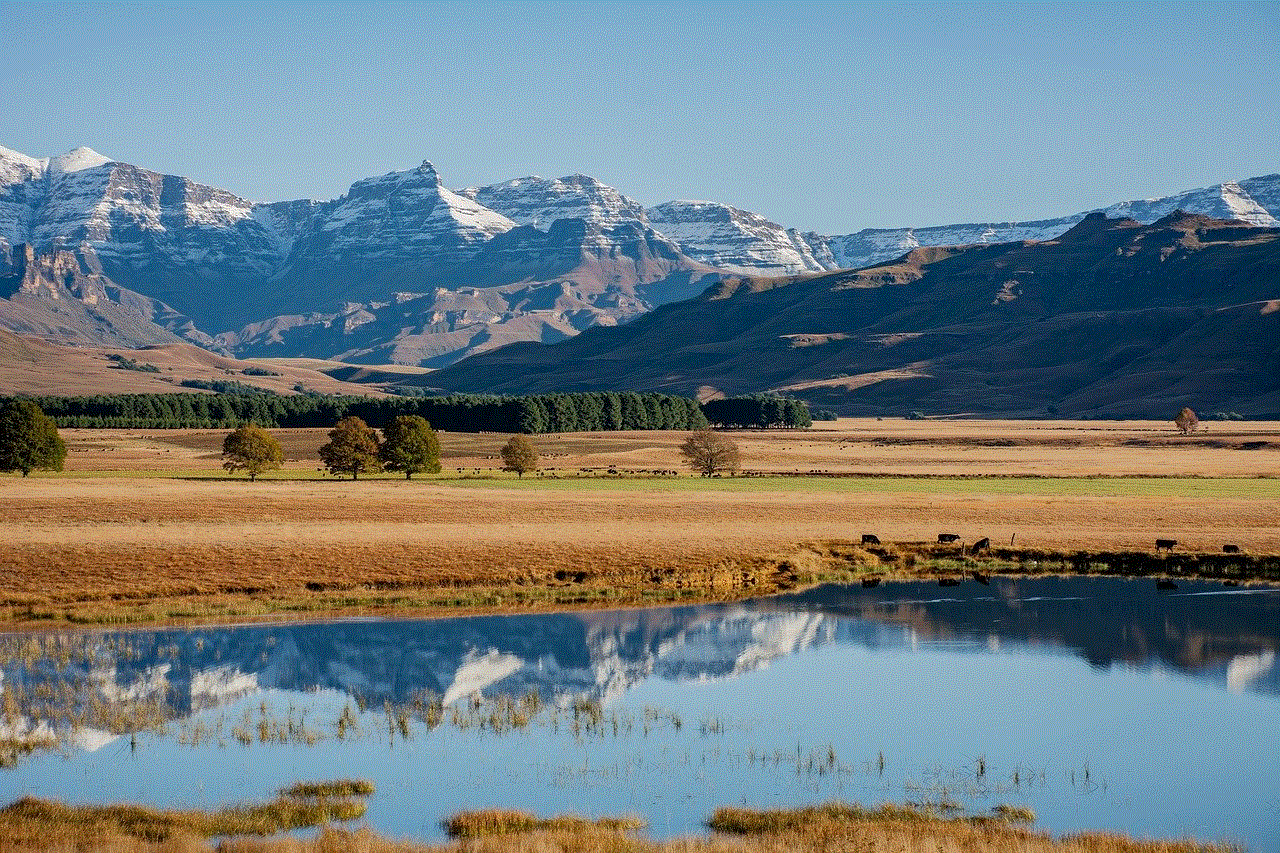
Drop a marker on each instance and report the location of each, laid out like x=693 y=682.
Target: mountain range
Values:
x=402 y=269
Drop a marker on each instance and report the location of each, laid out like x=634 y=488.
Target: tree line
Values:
x=758 y=411
x=541 y=413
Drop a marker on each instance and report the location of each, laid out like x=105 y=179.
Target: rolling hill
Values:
x=1113 y=318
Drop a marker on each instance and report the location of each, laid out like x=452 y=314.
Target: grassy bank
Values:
x=34 y=825
x=612 y=582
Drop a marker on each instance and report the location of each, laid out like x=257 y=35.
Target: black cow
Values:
x=868 y=583
x=1231 y=549
x=1165 y=584
x=983 y=544
x=1166 y=544
x=870 y=539
x=944 y=538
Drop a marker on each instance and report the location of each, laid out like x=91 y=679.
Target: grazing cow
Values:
x=944 y=538
x=870 y=539
x=948 y=582
x=985 y=580
x=868 y=583
x=1166 y=544
x=1165 y=584
x=1231 y=549
x=983 y=544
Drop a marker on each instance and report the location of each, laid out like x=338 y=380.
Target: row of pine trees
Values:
x=541 y=413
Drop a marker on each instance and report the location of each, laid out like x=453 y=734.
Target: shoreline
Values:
x=806 y=566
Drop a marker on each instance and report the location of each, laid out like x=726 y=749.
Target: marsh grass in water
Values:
x=489 y=822
x=25 y=822
x=31 y=825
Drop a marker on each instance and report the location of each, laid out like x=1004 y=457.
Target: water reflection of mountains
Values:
x=1225 y=637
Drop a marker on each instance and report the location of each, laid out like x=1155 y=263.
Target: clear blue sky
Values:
x=830 y=117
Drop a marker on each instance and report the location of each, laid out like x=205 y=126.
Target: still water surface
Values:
x=1099 y=702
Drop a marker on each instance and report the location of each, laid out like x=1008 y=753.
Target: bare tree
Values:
x=709 y=452
x=1186 y=421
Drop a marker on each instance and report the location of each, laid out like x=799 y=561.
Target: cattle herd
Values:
x=983 y=546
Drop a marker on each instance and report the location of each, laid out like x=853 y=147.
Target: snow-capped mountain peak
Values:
x=734 y=239
x=76 y=160
x=540 y=201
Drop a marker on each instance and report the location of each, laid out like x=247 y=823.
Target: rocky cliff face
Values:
x=63 y=295
x=523 y=285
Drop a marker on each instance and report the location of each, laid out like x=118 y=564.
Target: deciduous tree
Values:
x=252 y=449
x=710 y=452
x=519 y=455
x=409 y=444
x=352 y=448
x=29 y=439
x=1186 y=421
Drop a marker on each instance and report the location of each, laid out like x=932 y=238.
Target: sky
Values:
x=821 y=116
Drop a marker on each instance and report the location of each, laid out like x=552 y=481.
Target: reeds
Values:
x=490 y=822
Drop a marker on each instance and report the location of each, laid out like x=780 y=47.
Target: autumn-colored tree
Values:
x=1186 y=421
x=519 y=455
x=709 y=452
x=29 y=439
x=352 y=448
x=252 y=449
x=409 y=444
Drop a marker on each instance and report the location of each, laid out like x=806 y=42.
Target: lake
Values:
x=1102 y=703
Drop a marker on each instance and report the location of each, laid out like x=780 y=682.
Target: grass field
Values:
x=144 y=525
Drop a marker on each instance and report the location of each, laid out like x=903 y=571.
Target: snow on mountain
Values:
x=1256 y=201
x=540 y=201
x=1222 y=201
x=401 y=215
x=76 y=160
x=732 y=239
x=228 y=264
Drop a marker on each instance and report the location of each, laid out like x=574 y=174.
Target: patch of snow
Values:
x=478 y=672
x=76 y=160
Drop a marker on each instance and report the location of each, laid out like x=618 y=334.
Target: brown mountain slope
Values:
x=29 y=365
x=1112 y=318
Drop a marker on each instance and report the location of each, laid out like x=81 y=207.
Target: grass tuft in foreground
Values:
x=35 y=824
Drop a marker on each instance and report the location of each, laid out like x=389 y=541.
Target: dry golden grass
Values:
x=32 y=366
x=110 y=540
x=31 y=826
x=47 y=825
